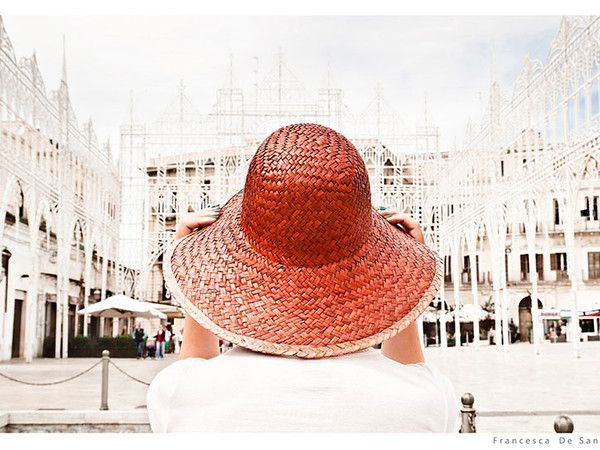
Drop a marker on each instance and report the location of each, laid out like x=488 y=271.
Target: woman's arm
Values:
x=405 y=347
x=197 y=341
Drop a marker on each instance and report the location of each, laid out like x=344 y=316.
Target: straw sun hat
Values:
x=299 y=262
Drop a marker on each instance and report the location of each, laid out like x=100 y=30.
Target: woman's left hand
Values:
x=410 y=225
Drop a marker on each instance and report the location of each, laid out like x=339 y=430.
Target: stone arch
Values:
x=525 y=326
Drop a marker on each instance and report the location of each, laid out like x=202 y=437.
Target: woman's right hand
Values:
x=200 y=219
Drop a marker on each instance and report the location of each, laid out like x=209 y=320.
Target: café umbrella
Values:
x=468 y=312
x=121 y=306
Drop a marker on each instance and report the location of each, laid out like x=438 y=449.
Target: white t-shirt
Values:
x=244 y=391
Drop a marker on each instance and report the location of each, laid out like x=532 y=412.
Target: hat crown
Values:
x=307 y=200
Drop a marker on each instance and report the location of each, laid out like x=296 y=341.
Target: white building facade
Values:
x=59 y=212
x=519 y=201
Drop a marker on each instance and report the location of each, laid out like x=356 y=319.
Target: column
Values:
x=530 y=234
x=569 y=227
x=505 y=336
x=7 y=325
x=103 y=287
x=87 y=279
x=456 y=277
x=471 y=245
x=443 y=337
x=533 y=278
x=31 y=305
x=3 y=287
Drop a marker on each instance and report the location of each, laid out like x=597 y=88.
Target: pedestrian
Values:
x=304 y=276
x=159 y=340
x=180 y=339
x=140 y=337
x=174 y=342
x=492 y=336
x=168 y=345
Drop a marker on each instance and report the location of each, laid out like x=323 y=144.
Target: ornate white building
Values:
x=59 y=214
x=190 y=161
x=517 y=204
x=518 y=198
x=519 y=201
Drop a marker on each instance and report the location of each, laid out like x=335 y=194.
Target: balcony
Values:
x=562 y=275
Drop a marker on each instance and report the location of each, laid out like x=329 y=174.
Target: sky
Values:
x=446 y=59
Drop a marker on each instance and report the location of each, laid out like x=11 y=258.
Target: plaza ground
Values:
x=515 y=391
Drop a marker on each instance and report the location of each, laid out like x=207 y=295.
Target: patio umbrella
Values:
x=431 y=314
x=172 y=311
x=122 y=306
x=467 y=312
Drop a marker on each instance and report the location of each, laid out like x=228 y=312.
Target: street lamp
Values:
x=6 y=255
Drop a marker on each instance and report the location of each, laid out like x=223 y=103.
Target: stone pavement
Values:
x=82 y=393
x=515 y=382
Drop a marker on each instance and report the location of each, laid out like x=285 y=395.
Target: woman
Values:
x=304 y=276
x=159 y=340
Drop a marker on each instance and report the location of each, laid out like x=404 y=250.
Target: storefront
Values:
x=555 y=320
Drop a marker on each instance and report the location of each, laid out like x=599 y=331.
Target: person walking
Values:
x=139 y=335
x=304 y=276
x=180 y=340
x=168 y=343
x=159 y=340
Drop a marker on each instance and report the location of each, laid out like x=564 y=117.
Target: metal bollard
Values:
x=467 y=414
x=104 y=395
x=563 y=424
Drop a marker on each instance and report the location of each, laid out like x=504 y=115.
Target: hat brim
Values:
x=310 y=312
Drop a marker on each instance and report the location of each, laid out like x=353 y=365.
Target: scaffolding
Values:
x=188 y=161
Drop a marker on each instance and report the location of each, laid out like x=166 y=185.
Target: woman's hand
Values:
x=405 y=347
x=200 y=219
x=408 y=224
x=198 y=342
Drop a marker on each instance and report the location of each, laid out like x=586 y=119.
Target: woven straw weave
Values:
x=299 y=262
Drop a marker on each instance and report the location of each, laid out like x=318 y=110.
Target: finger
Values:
x=191 y=219
x=387 y=211
x=190 y=223
x=410 y=225
x=204 y=212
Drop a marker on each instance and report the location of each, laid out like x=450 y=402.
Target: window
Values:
x=539 y=266
x=447 y=269
x=558 y=262
x=556 y=212
x=593 y=265
x=590 y=213
x=467 y=269
x=524 y=267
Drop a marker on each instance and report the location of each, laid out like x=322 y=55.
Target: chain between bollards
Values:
x=104 y=394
